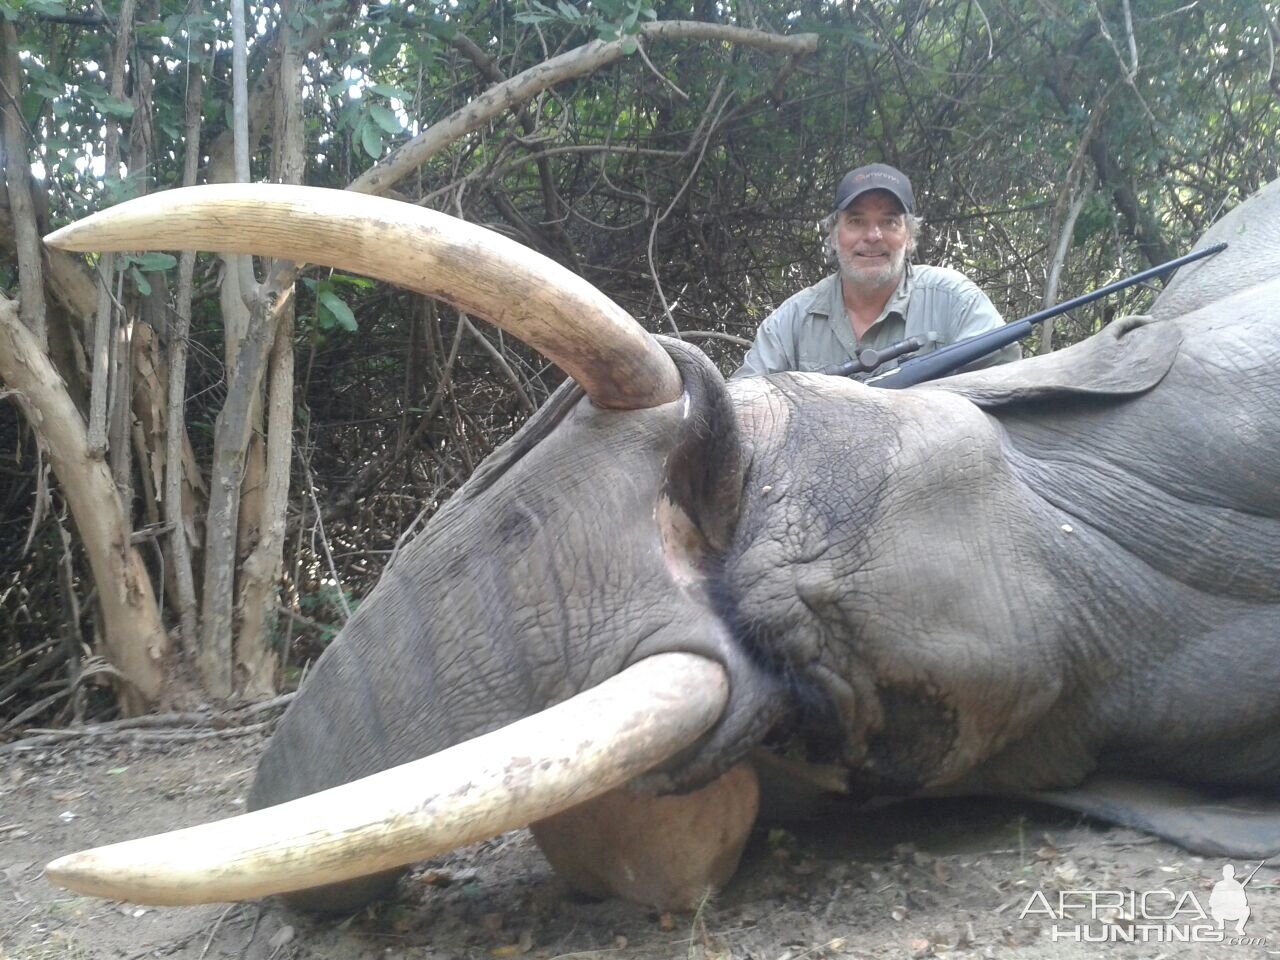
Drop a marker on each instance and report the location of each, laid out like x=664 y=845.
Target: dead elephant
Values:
x=1017 y=581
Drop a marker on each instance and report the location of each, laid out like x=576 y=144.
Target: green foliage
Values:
x=607 y=19
x=14 y=9
x=324 y=608
x=367 y=117
x=332 y=312
x=705 y=164
x=137 y=265
x=1096 y=218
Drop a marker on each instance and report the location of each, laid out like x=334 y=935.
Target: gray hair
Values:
x=827 y=229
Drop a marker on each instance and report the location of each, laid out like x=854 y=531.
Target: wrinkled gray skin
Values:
x=1003 y=583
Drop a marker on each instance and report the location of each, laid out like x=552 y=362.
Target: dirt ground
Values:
x=937 y=879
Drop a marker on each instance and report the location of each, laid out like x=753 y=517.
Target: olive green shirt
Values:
x=811 y=330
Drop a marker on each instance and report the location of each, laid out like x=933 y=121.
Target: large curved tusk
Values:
x=553 y=310
x=534 y=768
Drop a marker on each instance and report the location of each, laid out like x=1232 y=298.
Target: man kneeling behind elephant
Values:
x=877 y=297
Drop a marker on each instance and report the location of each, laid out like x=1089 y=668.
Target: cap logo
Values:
x=875 y=177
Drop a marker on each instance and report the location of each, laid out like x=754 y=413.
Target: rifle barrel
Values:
x=951 y=358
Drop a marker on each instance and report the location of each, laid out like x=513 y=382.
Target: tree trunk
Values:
x=236 y=316
x=144 y=410
x=17 y=169
x=1073 y=195
x=249 y=336
x=100 y=363
x=246 y=342
x=134 y=638
x=260 y=576
x=120 y=401
x=179 y=511
x=1059 y=260
x=255 y=662
x=1138 y=221
x=230 y=445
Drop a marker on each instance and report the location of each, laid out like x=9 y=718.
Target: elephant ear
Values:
x=1252 y=257
x=704 y=472
x=1128 y=357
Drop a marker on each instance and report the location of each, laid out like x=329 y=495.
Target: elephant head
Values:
x=583 y=547
x=1010 y=581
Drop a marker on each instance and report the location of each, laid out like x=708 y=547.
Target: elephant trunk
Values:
x=529 y=770
x=476 y=270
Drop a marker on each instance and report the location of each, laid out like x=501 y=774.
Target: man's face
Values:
x=870 y=239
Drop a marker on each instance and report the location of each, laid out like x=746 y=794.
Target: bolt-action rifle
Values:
x=949 y=359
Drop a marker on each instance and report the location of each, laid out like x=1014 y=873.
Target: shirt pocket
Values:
x=815 y=356
x=813 y=363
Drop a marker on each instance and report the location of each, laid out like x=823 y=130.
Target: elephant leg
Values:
x=664 y=852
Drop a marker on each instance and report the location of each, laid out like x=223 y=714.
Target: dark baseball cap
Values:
x=875 y=176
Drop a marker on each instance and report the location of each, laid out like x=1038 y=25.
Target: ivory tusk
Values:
x=476 y=270
x=528 y=770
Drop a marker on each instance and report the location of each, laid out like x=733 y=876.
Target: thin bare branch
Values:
x=578 y=62
x=525 y=403
x=702 y=137
x=666 y=81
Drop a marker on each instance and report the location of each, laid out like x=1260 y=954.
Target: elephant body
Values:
x=1007 y=582
x=1010 y=598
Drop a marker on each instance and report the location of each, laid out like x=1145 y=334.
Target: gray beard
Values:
x=890 y=275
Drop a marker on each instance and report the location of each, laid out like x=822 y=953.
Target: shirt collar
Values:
x=898 y=302
x=828 y=299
